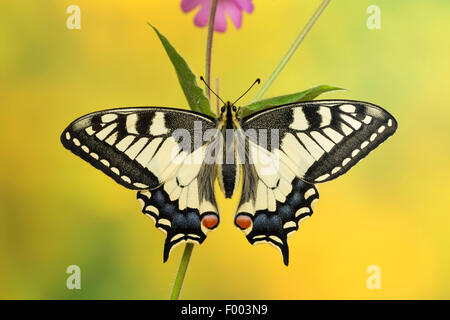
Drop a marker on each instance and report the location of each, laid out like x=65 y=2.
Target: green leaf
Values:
x=306 y=95
x=194 y=94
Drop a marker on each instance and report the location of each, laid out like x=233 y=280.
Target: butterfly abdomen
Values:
x=229 y=172
x=229 y=179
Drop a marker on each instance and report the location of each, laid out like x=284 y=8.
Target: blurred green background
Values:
x=391 y=210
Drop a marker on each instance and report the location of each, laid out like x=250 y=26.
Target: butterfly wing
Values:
x=273 y=201
x=184 y=207
x=324 y=139
x=314 y=142
x=134 y=145
x=161 y=152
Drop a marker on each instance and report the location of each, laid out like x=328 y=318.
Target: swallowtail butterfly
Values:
x=172 y=158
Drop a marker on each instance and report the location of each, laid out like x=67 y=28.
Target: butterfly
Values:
x=172 y=157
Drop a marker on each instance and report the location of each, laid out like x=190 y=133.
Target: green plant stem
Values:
x=292 y=49
x=181 y=271
x=189 y=246
x=209 y=40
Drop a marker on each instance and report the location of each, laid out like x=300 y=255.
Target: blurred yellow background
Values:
x=391 y=210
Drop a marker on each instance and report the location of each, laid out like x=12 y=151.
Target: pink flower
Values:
x=233 y=8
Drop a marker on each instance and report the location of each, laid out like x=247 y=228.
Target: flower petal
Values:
x=188 y=5
x=234 y=12
x=246 y=5
x=220 y=22
x=202 y=17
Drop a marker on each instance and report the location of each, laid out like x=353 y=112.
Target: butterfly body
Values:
x=173 y=157
x=229 y=173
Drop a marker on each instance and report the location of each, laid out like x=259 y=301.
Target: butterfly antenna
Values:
x=257 y=81
x=201 y=78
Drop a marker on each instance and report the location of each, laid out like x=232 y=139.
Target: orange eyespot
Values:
x=243 y=222
x=210 y=221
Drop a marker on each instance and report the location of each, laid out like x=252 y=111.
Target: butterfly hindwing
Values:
x=324 y=139
x=184 y=207
x=273 y=200
x=276 y=227
x=132 y=145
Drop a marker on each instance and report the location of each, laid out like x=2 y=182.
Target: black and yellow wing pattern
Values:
x=164 y=155
x=140 y=149
x=317 y=142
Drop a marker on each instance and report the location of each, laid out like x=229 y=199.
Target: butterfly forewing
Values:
x=134 y=146
x=324 y=139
